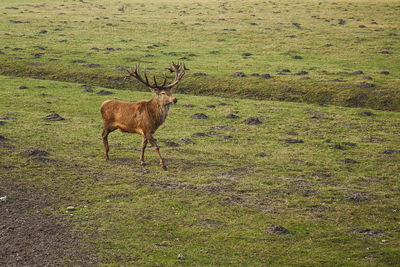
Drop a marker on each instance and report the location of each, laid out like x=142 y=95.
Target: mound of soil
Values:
x=53 y=117
x=277 y=230
x=33 y=152
x=252 y=121
x=200 y=116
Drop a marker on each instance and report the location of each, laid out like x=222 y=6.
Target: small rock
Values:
x=163 y=244
x=261 y=155
x=53 y=117
x=4 y=198
x=252 y=121
x=247 y=54
x=226 y=137
x=385 y=72
x=22 y=87
x=297 y=57
x=188 y=106
x=180 y=256
x=70 y=208
x=200 y=116
x=358 y=72
x=210 y=106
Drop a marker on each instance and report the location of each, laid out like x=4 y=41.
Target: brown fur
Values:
x=143 y=117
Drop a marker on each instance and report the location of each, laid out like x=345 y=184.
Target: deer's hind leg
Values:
x=105 y=133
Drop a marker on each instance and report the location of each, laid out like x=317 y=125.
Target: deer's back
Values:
x=126 y=116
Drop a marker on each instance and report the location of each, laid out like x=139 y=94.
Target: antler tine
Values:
x=179 y=73
x=155 y=81
x=165 y=80
x=147 y=79
x=179 y=70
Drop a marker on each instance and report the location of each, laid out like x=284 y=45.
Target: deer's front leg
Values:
x=144 y=144
x=154 y=144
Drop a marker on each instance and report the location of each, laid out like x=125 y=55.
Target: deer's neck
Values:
x=160 y=110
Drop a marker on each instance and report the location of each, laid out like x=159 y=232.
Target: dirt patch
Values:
x=33 y=152
x=277 y=230
x=104 y=92
x=30 y=238
x=232 y=116
x=200 y=116
x=292 y=141
x=252 y=121
x=171 y=144
x=369 y=232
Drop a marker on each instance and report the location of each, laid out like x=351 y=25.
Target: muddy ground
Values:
x=30 y=238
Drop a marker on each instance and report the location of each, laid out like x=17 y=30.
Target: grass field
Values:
x=332 y=52
x=327 y=175
x=311 y=184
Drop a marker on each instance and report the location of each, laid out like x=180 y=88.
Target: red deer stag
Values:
x=143 y=117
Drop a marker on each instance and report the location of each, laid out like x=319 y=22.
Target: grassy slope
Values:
x=212 y=37
x=218 y=199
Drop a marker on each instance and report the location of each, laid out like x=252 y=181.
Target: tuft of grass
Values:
x=340 y=53
x=335 y=192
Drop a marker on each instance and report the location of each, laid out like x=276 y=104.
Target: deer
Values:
x=142 y=117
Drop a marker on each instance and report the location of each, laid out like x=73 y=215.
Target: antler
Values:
x=179 y=70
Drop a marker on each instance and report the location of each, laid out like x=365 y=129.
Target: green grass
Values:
x=43 y=40
x=217 y=200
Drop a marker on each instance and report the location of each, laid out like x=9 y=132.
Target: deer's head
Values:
x=163 y=92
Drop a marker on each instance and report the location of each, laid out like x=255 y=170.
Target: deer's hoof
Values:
x=142 y=163
x=164 y=167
